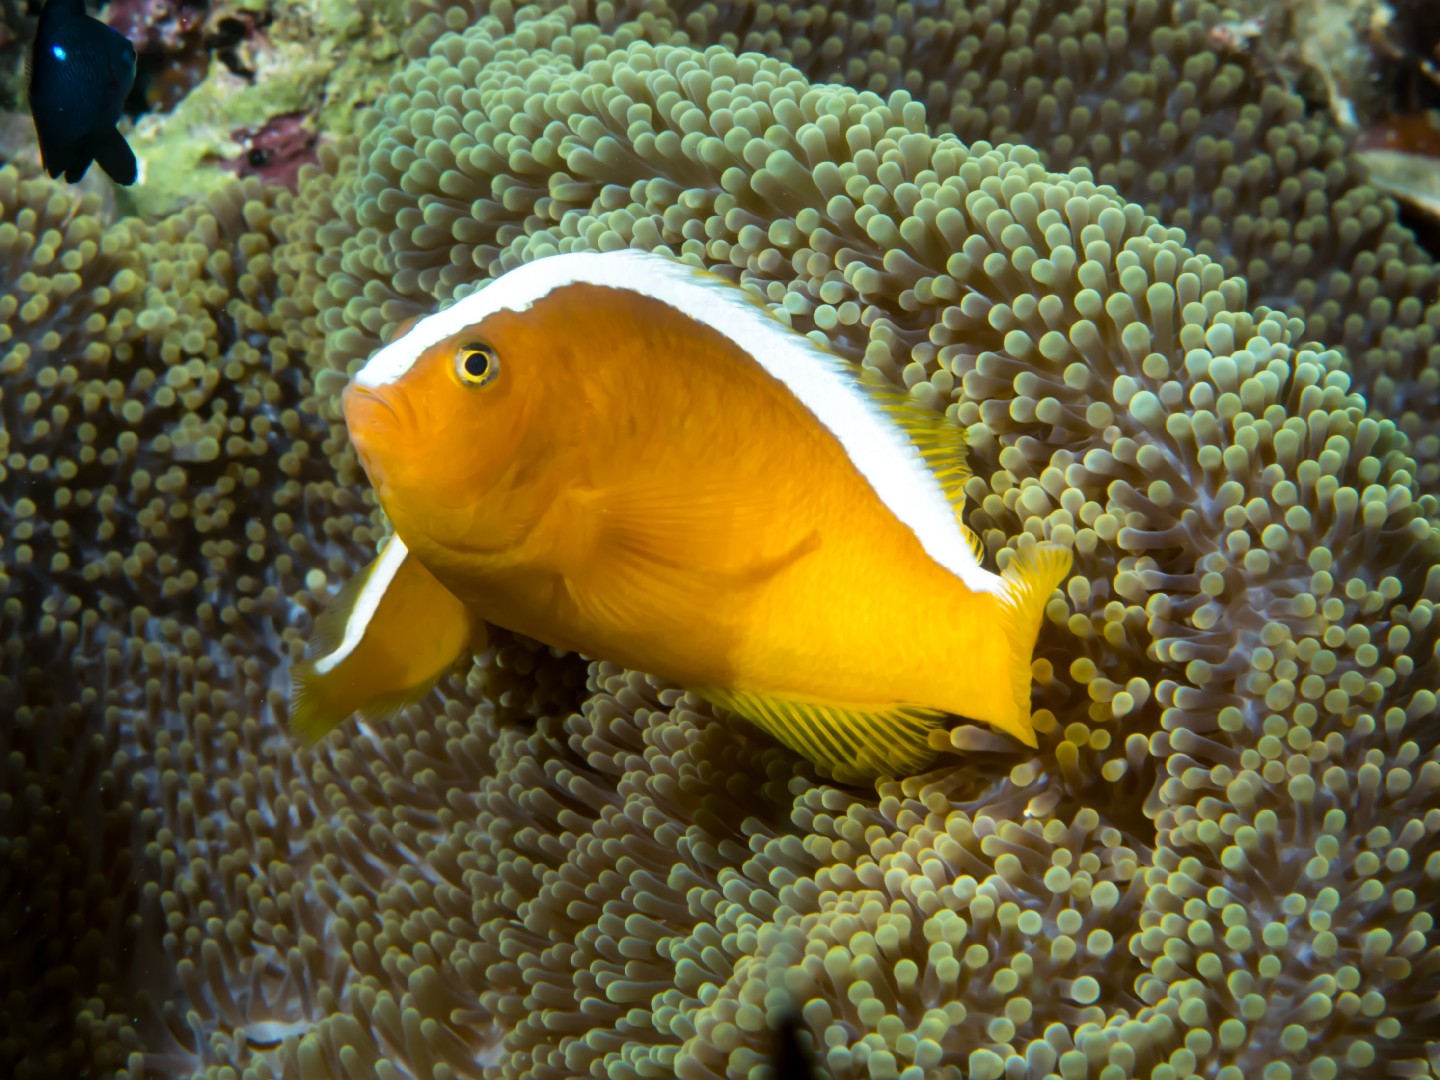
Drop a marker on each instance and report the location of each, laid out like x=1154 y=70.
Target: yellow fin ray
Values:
x=1033 y=575
x=382 y=643
x=853 y=743
x=976 y=544
x=940 y=441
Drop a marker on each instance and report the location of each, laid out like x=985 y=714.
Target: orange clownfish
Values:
x=620 y=455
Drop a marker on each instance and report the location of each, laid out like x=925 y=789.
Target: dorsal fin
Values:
x=939 y=440
x=976 y=544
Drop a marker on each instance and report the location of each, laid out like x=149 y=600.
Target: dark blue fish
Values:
x=80 y=72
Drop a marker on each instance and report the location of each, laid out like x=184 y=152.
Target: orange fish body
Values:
x=623 y=456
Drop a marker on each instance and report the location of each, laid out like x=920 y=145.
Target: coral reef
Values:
x=1221 y=861
x=276 y=151
x=158 y=26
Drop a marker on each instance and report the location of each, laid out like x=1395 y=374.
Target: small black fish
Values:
x=80 y=72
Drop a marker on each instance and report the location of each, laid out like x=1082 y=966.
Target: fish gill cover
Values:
x=1223 y=859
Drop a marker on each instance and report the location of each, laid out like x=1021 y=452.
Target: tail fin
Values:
x=381 y=643
x=1033 y=576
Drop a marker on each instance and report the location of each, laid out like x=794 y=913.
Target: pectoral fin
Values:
x=381 y=643
x=853 y=744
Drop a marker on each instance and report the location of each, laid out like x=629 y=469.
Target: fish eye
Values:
x=476 y=363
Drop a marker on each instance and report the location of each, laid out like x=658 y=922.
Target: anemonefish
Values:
x=620 y=455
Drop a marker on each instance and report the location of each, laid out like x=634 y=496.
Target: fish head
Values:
x=454 y=431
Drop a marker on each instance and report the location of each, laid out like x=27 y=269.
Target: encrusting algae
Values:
x=1222 y=858
x=618 y=455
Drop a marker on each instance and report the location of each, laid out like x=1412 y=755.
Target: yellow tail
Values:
x=1033 y=575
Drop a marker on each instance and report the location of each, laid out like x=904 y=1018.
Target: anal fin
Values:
x=852 y=743
x=384 y=640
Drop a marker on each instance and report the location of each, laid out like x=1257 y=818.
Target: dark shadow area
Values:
x=70 y=902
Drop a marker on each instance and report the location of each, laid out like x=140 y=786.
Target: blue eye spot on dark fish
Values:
x=80 y=73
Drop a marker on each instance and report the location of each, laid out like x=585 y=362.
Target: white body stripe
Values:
x=366 y=604
x=878 y=447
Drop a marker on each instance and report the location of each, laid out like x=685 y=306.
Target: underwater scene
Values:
x=649 y=538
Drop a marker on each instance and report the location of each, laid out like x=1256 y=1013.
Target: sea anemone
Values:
x=1221 y=860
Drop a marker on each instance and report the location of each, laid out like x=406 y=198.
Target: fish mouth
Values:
x=372 y=421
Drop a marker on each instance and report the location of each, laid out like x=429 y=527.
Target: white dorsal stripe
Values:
x=366 y=604
x=876 y=445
